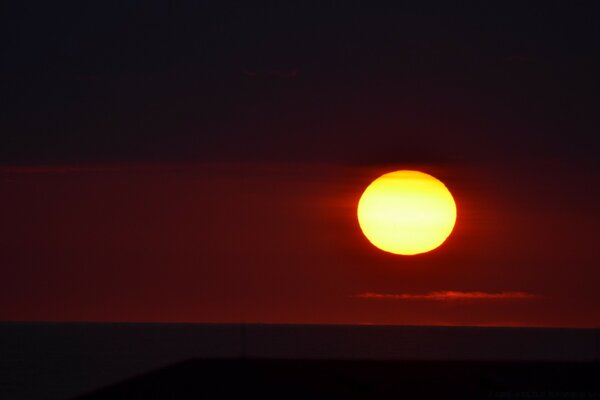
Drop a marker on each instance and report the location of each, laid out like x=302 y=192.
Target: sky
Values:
x=180 y=162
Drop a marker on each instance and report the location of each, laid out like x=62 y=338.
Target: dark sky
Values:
x=178 y=161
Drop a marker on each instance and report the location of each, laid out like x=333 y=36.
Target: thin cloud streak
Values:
x=68 y=169
x=449 y=295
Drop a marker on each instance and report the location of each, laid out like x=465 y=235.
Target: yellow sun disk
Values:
x=406 y=212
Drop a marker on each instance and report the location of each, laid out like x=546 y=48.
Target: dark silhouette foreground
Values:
x=318 y=379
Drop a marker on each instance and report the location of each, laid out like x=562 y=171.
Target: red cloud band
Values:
x=449 y=295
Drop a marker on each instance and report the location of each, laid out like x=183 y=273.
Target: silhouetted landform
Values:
x=353 y=379
x=64 y=360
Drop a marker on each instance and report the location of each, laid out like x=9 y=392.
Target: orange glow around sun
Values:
x=406 y=212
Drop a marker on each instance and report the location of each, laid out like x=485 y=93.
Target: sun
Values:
x=406 y=212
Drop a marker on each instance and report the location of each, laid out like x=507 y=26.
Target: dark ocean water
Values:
x=63 y=360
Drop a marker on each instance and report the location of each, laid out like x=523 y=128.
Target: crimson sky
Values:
x=281 y=243
x=177 y=161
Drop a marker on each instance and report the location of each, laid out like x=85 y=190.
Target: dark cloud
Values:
x=155 y=82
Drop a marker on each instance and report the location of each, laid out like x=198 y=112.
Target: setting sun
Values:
x=406 y=212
